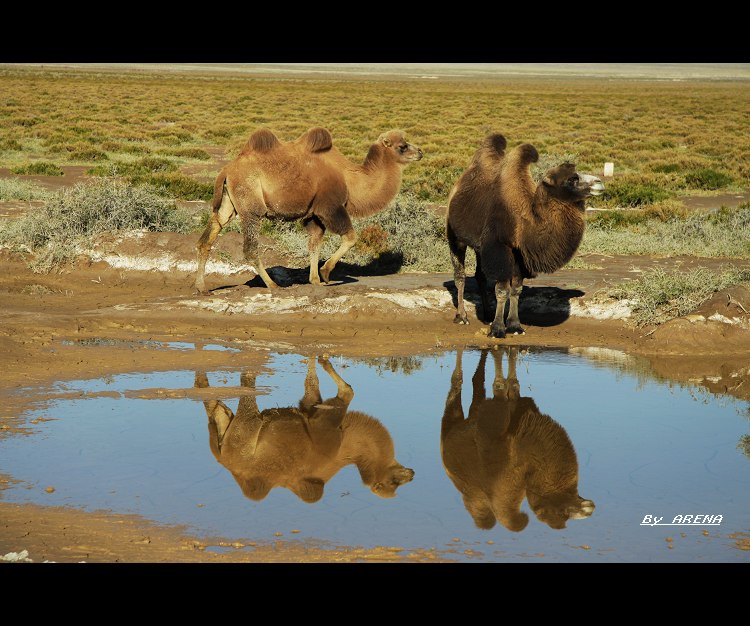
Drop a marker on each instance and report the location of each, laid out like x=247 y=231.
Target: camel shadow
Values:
x=344 y=273
x=290 y=276
x=537 y=306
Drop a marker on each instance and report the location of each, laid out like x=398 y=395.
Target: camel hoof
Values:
x=202 y=292
x=498 y=333
x=325 y=274
x=515 y=330
x=461 y=320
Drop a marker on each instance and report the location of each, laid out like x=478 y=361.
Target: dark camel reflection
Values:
x=507 y=450
x=301 y=448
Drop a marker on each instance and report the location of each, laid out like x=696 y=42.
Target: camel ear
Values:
x=547 y=180
x=386 y=141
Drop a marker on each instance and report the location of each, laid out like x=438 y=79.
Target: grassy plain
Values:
x=664 y=137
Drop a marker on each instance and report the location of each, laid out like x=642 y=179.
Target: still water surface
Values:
x=496 y=456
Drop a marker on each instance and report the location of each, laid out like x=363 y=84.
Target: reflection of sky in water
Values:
x=643 y=448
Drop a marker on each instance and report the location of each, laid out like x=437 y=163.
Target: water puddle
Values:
x=499 y=455
x=147 y=343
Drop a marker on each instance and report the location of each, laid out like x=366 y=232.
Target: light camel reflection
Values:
x=301 y=448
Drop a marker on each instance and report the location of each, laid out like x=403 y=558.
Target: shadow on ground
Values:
x=538 y=306
x=386 y=264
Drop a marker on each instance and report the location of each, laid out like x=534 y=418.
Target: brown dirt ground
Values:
x=94 y=300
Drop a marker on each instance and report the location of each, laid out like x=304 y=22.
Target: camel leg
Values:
x=219 y=415
x=312 y=389
x=248 y=405
x=348 y=240
x=514 y=323
x=502 y=289
x=219 y=218
x=339 y=223
x=250 y=223
x=482 y=282
x=499 y=385
x=458 y=258
x=315 y=231
x=499 y=264
x=506 y=388
x=324 y=425
x=344 y=391
x=477 y=385
x=454 y=412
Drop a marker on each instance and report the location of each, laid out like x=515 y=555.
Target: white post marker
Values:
x=609 y=169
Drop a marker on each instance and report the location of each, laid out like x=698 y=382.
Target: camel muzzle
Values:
x=594 y=183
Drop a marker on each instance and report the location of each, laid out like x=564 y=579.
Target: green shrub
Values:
x=633 y=194
x=189 y=153
x=658 y=296
x=724 y=233
x=88 y=154
x=609 y=220
x=42 y=168
x=26 y=121
x=706 y=178
x=16 y=189
x=66 y=223
x=126 y=147
x=153 y=164
x=10 y=144
x=176 y=185
x=666 y=168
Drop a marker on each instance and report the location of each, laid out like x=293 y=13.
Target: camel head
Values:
x=395 y=143
x=565 y=183
x=391 y=479
x=556 y=509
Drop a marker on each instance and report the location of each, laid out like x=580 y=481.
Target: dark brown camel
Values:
x=507 y=450
x=307 y=179
x=302 y=448
x=516 y=228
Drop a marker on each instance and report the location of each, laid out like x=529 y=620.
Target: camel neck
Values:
x=373 y=184
x=553 y=235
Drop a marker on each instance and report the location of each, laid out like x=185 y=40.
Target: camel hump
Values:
x=317 y=140
x=496 y=142
x=527 y=153
x=262 y=140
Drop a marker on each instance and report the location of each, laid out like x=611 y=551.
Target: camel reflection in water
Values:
x=301 y=448
x=507 y=450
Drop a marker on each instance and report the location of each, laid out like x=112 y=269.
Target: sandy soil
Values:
x=140 y=288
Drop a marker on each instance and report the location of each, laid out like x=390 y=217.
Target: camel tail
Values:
x=318 y=140
x=262 y=140
x=218 y=190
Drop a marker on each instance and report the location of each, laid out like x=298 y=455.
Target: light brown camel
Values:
x=516 y=228
x=507 y=450
x=301 y=449
x=307 y=179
